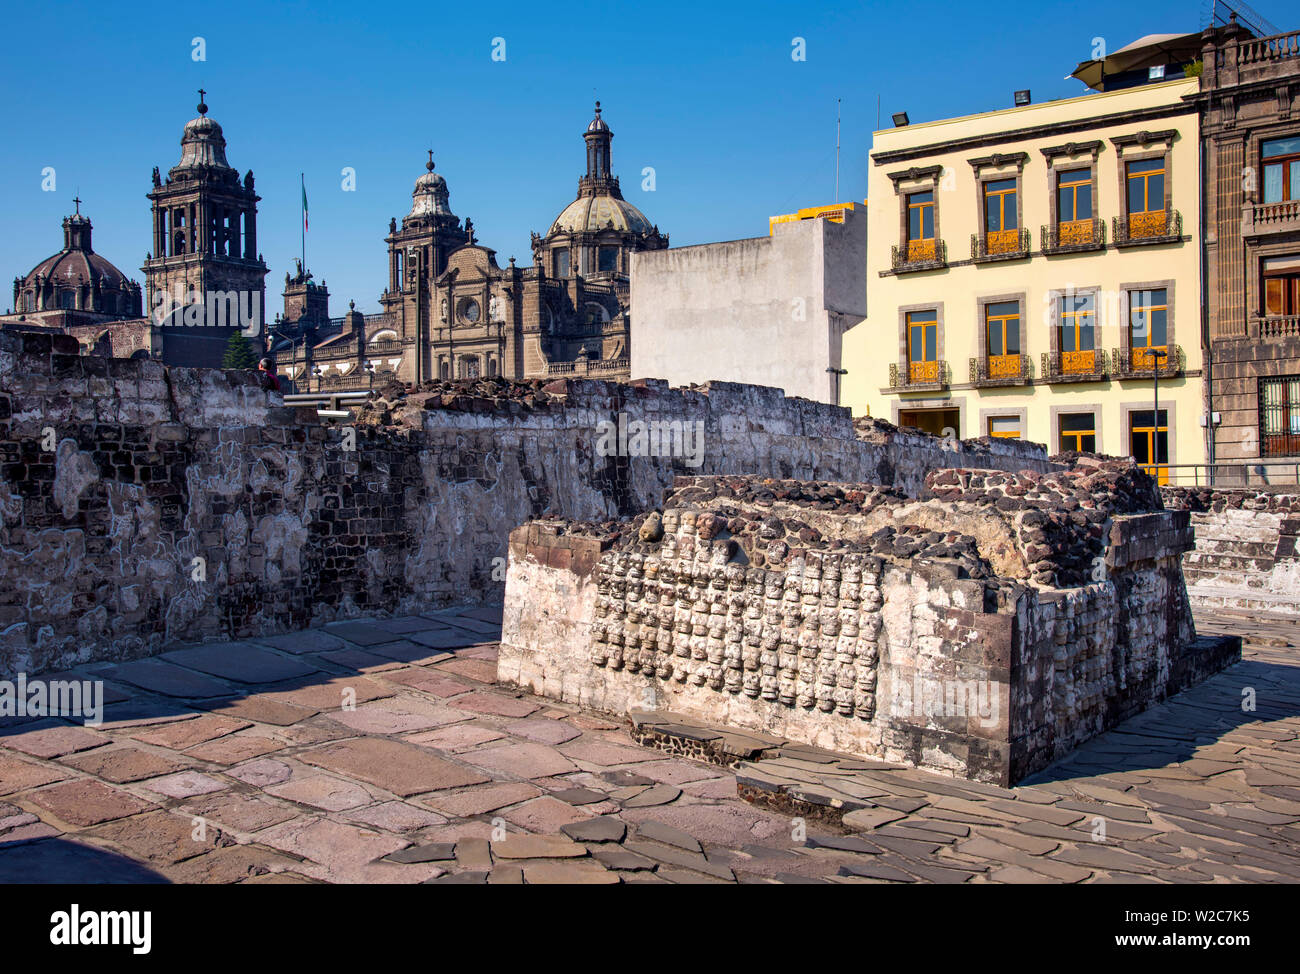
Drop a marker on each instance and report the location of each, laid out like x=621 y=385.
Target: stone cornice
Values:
x=1032 y=132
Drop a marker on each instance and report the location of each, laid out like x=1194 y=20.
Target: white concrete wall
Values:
x=767 y=310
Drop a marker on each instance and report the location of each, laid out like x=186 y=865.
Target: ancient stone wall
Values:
x=854 y=618
x=141 y=505
x=1246 y=557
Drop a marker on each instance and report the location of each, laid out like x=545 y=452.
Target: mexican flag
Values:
x=304 y=207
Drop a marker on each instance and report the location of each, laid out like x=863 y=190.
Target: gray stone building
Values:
x=1250 y=107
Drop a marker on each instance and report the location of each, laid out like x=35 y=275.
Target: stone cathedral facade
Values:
x=451 y=311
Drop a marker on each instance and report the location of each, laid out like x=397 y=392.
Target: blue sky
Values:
x=705 y=93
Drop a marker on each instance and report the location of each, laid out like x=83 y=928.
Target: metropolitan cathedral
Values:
x=450 y=310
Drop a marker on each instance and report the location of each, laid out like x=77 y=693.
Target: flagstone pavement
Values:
x=381 y=750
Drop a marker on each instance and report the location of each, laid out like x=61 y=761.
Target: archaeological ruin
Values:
x=983 y=631
x=143 y=506
x=970 y=607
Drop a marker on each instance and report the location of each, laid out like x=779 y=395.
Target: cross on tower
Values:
x=429 y=164
x=203 y=109
x=77 y=200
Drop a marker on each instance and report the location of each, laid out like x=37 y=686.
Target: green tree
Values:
x=239 y=353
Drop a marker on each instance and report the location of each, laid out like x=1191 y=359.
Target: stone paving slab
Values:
x=124 y=763
x=355 y=773
x=240 y=662
x=168 y=679
x=401 y=768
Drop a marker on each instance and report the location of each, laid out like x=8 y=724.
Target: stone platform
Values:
x=382 y=750
x=983 y=632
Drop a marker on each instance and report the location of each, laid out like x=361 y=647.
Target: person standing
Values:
x=266 y=375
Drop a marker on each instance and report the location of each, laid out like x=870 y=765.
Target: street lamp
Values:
x=370 y=371
x=316 y=374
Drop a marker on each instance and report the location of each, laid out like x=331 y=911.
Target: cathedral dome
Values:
x=76 y=268
x=600 y=204
x=600 y=212
x=76 y=263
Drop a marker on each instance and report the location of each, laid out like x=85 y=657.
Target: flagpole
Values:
x=302 y=178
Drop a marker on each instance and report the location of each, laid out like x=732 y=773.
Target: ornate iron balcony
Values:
x=918 y=255
x=1073 y=236
x=919 y=375
x=1137 y=362
x=1159 y=226
x=1000 y=370
x=999 y=245
x=1084 y=365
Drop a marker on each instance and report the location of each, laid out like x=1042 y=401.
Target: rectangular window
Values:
x=1005 y=427
x=1002 y=332
x=1074 y=196
x=1146 y=198
x=1146 y=186
x=1001 y=221
x=920 y=226
x=1281 y=169
x=1279 y=416
x=562 y=262
x=1078 y=432
x=1077 y=334
x=923 y=346
x=1148 y=327
x=1149 y=442
x=1281 y=286
x=1000 y=205
x=607 y=260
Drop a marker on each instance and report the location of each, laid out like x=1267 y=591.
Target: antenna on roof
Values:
x=837 y=150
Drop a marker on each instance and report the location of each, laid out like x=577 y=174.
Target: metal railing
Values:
x=1000 y=370
x=918 y=255
x=327 y=403
x=1159 y=226
x=999 y=245
x=1243 y=473
x=1072 y=236
x=920 y=375
x=1129 y=363
x=1086 y=365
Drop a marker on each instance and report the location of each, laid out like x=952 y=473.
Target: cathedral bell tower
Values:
x=204 y=278
x=417 y=255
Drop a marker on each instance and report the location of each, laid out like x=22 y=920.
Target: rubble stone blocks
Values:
x=1246 y=557
x=982 y=630
x=144 y=507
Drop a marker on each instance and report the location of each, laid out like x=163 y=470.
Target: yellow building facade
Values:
x=1028 y=269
